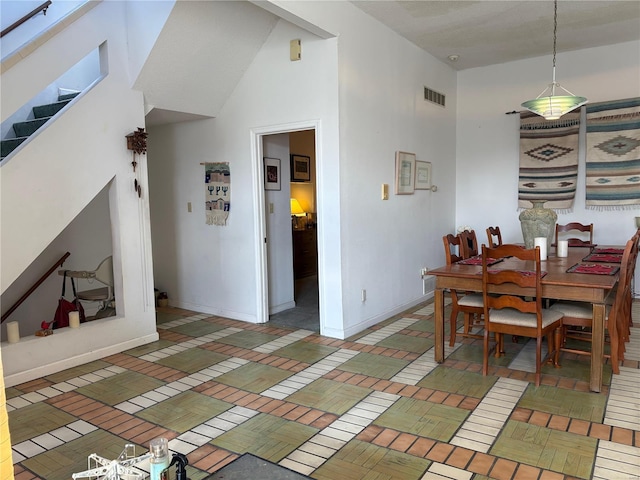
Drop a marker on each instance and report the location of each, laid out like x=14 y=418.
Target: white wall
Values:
x=64 y=167
x=488 y=140
x=364 y=242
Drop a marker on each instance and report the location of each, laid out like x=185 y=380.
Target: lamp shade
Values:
x=296 y=209
x=553 y=107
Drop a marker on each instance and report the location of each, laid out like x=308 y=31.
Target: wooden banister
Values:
x=34 y=286
x=32 y=13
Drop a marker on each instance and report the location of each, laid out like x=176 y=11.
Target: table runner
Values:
x=603 y=257
x=594 y=269
x=548 y=160
x=526 y=273
x=613 y=155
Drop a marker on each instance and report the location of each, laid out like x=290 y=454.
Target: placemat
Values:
x=603 y=257
x=594 y=269
x=611 y=250
x=477 y=260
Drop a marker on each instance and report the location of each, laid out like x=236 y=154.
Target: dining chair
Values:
x=494 y=236
x=470 y=304
x=578 y=317
x=518 y=313
x=576 y=227
x=469 y=243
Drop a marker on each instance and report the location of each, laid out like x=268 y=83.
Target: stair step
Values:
x=49 y=110
x=24 y=129
x=68 y=96
x=9 y=145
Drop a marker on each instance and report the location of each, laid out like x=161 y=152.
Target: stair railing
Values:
x=34 y=286
x=42 y=8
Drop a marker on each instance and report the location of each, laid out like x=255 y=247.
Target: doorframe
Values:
x=260 y=222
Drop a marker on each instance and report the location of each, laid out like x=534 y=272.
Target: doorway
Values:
x=286 y=298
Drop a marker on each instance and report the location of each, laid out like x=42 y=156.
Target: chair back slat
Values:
x=576 y=227
x=494 y=236
x=452 y=249
x=469 y=243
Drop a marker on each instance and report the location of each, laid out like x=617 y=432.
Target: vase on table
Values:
x=538 y=222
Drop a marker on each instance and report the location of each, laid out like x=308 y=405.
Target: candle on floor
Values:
x=13 y=332
x=74 y=319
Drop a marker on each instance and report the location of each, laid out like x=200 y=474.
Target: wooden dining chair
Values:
x=469 y=243
x=576 y=227
x=494 y=236
x=578 y=317
x=470 y=304
x=512 y=314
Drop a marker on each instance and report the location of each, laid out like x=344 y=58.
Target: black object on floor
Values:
x=249 y=466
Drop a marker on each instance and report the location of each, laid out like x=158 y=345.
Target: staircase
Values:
x=41 y=114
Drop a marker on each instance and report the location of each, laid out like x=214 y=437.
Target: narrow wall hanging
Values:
x=548 y=160
x=613 y=155
x=217 y=186
x=137 y=143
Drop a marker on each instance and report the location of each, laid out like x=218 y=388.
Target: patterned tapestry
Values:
x=613 y=155
x=217 y=183
x=548 y=160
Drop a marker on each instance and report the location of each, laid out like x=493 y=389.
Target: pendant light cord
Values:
x=555 y=31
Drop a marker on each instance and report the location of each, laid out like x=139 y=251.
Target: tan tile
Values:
x=421 y=447
x=440 y=452
x=503 y=469
x=460 y=458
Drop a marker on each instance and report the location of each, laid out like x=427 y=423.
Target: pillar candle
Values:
x=13 y=332
x=563 y=248
x=74 y=319
x=542 y=243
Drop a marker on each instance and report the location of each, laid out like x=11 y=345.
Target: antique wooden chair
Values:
x=516 y=314
x=576 y=227
x=470 y=304
x=578 y=316
x=494 y=236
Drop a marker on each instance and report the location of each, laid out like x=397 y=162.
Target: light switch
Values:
x=189 y=207
x=385 y=191
x=270 y=207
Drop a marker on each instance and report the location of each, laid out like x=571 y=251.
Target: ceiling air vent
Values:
x=434 y=97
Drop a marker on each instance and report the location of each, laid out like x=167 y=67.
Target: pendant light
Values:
x=549 y=105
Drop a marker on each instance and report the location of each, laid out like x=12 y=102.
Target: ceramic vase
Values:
x=538 y=222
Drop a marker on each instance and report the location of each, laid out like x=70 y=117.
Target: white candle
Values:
x=542 y=243
x=563 y=248
x=74 y=319
x=13 y=332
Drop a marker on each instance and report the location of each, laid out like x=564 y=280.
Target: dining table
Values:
x=560 y=281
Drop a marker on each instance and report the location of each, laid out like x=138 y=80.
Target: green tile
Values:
x=78 y=371
x=121 y=387
x=36 y=419
x=330 y=396
x=248 y=339
x=192 y=360
x=458 y=381
x=184 y=411
x=266 y=436
x=427 y=326
x=426 y=419
x=12 y=392
x=360 y=460
x=198 y=328
x=541 y=447
x=569 y=403
x=472 y=353
x=149 y=347
x=374 y=365
x=407 y=343
x=163 y=317
x=62 y=462
x=306 y=352
x=254 y=377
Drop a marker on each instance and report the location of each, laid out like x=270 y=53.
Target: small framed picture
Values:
x=423 y=175
x=405 y=173
x=271 y=173
x=300 y=168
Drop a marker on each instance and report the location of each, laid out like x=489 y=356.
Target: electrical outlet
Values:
x=364 y=295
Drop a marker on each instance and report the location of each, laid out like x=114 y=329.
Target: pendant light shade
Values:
x=548 y=104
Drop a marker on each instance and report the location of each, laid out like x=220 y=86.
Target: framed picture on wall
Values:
x=405 y=173
x=300 y=168
x=271 y=173
x=423 y=175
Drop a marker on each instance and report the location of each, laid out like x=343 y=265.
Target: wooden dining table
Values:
x=557 y=283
